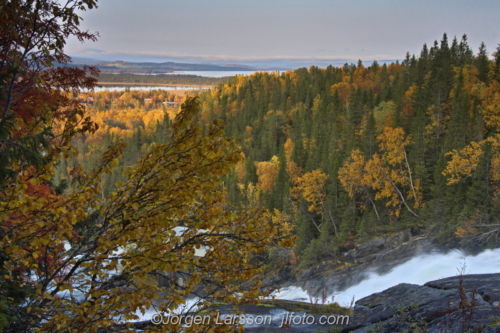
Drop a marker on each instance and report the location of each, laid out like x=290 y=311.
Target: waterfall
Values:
x=418 y=270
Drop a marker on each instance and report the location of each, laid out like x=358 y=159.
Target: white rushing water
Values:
x=418 y=270
x=190 y=305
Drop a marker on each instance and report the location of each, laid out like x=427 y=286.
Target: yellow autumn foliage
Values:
x=312 y=185
x=92 y=262
x=267 y=171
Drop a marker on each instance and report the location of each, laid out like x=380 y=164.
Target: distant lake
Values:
x=144 y=87
x=213 y=73
x=206 y=73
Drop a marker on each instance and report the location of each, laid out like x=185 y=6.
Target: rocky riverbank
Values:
x=468 y=303
x=441 y=306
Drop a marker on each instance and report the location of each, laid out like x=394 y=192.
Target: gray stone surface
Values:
x=438 y=307
x=488 y=285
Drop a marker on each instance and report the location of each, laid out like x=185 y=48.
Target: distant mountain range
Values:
x=163 y=67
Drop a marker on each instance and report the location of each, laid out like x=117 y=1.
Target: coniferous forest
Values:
x=353 y=152
x=345 y=154
x=116 y=204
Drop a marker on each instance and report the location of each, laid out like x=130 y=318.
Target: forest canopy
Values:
x=108 y=198
x=357 y=151
x=348 y=153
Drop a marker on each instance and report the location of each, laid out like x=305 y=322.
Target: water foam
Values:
x=418 y=270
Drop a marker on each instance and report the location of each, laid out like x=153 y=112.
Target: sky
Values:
x=281 y=32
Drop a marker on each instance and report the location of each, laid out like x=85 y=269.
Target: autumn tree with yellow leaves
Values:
x=267 y=172
x=75 y=260
x=387 y=173
x=100 y=260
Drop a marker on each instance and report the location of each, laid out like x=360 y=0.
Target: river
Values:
x=418 y=270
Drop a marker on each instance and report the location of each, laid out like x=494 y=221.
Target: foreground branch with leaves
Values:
x=76 y=260
x=85 y=262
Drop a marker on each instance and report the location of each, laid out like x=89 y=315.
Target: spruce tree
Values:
x=482 y=64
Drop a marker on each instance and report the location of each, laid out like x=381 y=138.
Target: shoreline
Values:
x=154 y=85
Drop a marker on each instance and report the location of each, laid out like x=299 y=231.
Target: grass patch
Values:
x=494 y=321
x=266 y=305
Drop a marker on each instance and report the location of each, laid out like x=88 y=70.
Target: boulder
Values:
x=487 y=285
x=455 y=304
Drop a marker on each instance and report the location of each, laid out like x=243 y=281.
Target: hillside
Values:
x=352 y=152
x=346 y=154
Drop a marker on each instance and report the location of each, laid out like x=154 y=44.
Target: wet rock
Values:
x=379 y=255
x=370 y=246
x=278 y=277
x=439 y=306
x=487 y=285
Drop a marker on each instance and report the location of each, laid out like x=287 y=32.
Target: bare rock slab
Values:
x=438 y=306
